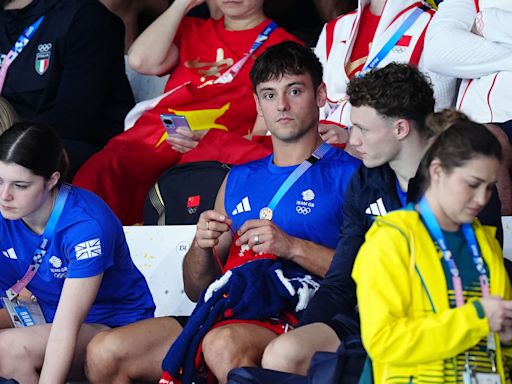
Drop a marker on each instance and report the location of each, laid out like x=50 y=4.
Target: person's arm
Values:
x=75 y=301
x=185 y=140
x=451 y=49
x=333 y=133
x=397 y=330
x=313 y=257
x=495 y=25
x=321 y=53
x=199 y=265
x=153 y=53
x=337 y=293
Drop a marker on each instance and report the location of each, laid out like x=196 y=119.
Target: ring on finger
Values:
x=256 y=239
x=207 y=225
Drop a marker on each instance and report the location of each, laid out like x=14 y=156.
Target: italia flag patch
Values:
x=42 y=62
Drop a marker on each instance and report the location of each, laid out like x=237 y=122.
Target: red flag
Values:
x=122 y=173
x=193 y=201
x=404 y=41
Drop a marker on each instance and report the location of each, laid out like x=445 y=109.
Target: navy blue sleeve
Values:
x=337 y=293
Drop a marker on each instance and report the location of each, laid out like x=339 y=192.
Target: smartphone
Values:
x=172 y=122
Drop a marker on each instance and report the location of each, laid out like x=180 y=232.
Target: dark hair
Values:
x=286 y=58
x=461 y=142
x=397 y=91
x=36 y=147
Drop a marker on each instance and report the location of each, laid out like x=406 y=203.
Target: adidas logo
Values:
x=242 y=207
x=10 y=254
x=377 y=208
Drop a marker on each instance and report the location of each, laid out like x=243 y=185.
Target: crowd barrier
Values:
x=158 y=253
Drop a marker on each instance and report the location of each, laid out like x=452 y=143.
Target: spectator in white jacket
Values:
x=356 y=41
x=472 y=40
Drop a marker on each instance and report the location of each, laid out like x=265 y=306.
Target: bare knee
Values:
x=287 y=354
x=103 y=357
x=17 y=355
x=220 y=347
x=292 y=352
x=222 y=352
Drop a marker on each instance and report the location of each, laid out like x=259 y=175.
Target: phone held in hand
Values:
x=173 y=122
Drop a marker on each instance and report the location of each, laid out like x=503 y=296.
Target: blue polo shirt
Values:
x=312 y=207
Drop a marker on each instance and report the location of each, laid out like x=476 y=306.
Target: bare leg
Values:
x=133 y=352
x=292 y=351
x=235 y=345
x=22 y=351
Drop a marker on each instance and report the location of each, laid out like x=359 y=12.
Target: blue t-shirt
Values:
x=87 y=241
x=310 y=210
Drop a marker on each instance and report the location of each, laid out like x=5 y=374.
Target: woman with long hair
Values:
x=432 y=289
x=66 y=246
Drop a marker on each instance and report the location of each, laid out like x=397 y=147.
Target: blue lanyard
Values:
x=20 y=44
x=60 y=201
x=411 y=19
x=263 y=36
x=437 y=235
x=298 y=172
x=231 y=73
x=27 y=34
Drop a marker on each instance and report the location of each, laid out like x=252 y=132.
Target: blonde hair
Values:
x=8 y=115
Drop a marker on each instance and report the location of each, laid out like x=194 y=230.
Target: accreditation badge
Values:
x=266 y=213
x=24 y=313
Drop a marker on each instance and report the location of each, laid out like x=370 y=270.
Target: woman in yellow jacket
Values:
x=432 y=289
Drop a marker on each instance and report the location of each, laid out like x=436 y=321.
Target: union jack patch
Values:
x=88 y=249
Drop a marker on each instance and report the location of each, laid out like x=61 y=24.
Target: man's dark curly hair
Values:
x=286 y=58
x=396 y=91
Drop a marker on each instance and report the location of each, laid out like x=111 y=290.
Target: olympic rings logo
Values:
x=302 y=210
x=44 y=47
x=399 y=49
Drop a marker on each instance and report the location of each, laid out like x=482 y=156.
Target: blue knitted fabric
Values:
x=257 y=290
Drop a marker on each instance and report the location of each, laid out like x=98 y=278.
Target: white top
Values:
x=334 y=56
x=483 y=63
